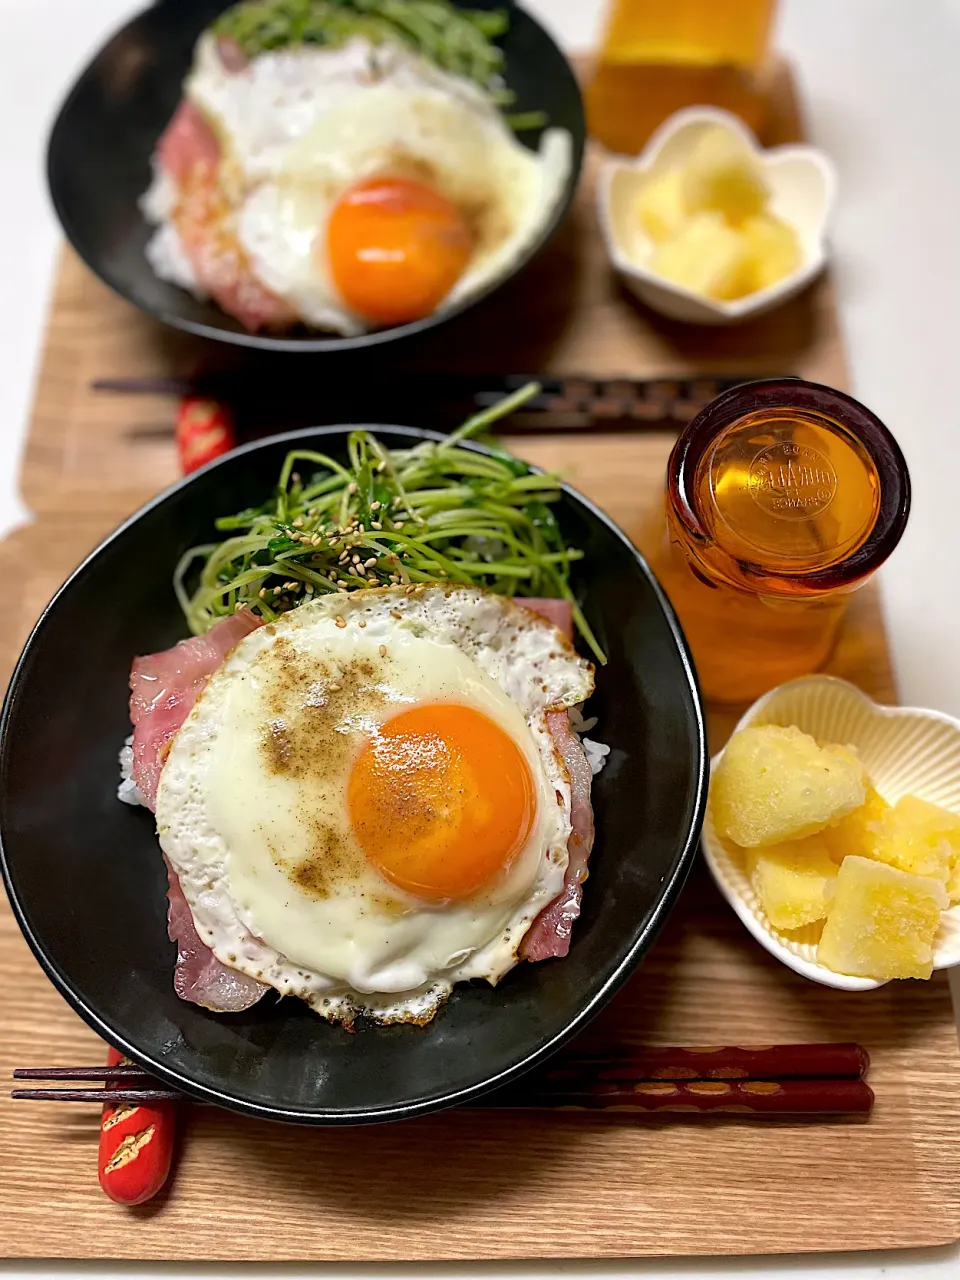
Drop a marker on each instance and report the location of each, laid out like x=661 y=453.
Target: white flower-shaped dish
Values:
x=906 y=751
x=802 y=181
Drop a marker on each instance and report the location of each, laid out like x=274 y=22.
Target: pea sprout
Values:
x=437 y=512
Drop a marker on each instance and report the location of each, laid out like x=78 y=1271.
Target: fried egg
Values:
x=304 y=132
x=365 y=805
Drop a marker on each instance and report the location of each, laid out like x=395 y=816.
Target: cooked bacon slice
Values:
x=232 y=57
x=549 y=935
x=203 y=217
x=186 y=143
x=199 y=975
x=559 y=612
x=163 y=688
x=204 y=221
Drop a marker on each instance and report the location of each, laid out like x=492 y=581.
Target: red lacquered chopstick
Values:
x=816 y=1079
x=822 y=1096
x=729 y=1062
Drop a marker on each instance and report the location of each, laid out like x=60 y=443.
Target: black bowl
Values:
x=98 y=161
x=87 y=883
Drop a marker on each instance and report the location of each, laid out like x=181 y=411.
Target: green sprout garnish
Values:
x=389 y=517
x=460 y=41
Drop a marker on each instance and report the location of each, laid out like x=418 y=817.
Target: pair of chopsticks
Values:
x=572 y=404
x=799 y=1079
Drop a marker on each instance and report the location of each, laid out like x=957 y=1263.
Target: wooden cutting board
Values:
x=465 y=1185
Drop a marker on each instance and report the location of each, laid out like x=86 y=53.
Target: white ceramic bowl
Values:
x=802 y=181
x=906 y=751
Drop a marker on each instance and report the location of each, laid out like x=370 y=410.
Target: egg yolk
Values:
x=396 y=249
x=441 y=799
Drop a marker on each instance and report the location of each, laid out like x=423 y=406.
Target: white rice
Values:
x=596 y=752
x=165 y=251
x=128 y=791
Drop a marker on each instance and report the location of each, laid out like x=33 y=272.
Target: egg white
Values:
x=459 y=148
x=235 y=831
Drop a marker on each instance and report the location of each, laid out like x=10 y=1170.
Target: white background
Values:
x=881 y=83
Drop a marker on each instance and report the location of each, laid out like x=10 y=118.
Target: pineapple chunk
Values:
x=660 y=207
x=723 y=175
x=858 y=831
x=773 y=247
x=922 y=838
x=774 y=784
x=705 y=255
x=793 y=881
x=882 y=922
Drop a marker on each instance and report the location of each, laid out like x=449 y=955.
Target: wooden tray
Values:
x=463 y=1185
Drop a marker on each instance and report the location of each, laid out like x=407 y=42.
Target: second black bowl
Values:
x=98 y=161
x=87 y=881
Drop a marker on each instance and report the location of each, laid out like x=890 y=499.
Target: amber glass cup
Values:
x=783 y=496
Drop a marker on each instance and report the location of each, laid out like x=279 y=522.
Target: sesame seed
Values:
x=398 y=524
x=263 y=593
x=374 y=506
x=298 y=523
x=383 y=651
x=355 y=558
x=361 y=622
x=395 y=613
x=335 y=688
x=342 y=589
x=309 y=588
x=338 y=620
x=375 y=524
x=316 y=539
x=368 y=564
x=361 y=529
x=411 y=589
x=352 y=487
x=394 y=578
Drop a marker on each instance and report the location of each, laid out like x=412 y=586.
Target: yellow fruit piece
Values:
x=773 y=248
x=793 y=881
x=774 y=784
x=923 y=838
x=859 y=831
x=882 y=922
x=724 y=176
x=660 y=206
x=705 y=255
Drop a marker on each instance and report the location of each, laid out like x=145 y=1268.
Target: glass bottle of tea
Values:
x=657 y=57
